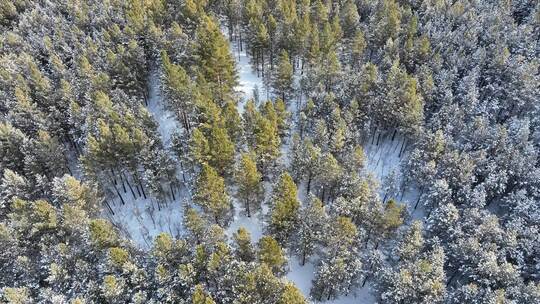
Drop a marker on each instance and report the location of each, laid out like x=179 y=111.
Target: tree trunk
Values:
x=172 y=191
x=109 y=207
x=309 y=183
x=402 y=148
x=123 y=184
x=142 y=189
x=119 y=195
x=131 y=189
x=419 y=197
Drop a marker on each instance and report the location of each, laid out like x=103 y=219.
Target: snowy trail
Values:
x=247 y=79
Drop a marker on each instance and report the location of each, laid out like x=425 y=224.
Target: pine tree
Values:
x=271 y=254
x=258 y=285
x=340 y=267
x=350 y=18
x=242 y=245
x=335 y=277
x=212 y=147
x=284 y=209
x=232 y=121
x=311 y=230
x=13 y=186
x=199 y=296
x=103 y=234
x=389 y=21
x=214 y=60
x=19 y=295
x=282 y=116
x=248 y=179
x=199 y=147
x=67 y=190
x=391 y=219
x=267 y=144
x=195 y=225
x=45 y=156
x=291 y=295
x=221 y=149
x=283 y=82
x=306 y=161
x=210 y=194
x=420 y=280
x=412 y=243
x=11 y=144
x=357 y=49
x=250 y=118
x=179 y=91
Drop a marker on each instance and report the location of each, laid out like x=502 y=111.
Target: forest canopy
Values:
x=269 y=151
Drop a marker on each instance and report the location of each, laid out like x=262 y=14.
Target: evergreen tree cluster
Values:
x=452 y=86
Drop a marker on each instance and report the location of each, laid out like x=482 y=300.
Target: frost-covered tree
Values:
x=250 y=190
x=311 y=229
x=272 y=255
x=283 y=78
x=285 y=207
x=211 y=195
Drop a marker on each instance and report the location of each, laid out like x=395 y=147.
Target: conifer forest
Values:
x=270 y=151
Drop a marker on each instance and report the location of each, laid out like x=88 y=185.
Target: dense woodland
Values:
x=452 y=85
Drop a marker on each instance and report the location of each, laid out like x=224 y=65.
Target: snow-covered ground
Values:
x=247 y=79
x=143 y=219
x=385 y=158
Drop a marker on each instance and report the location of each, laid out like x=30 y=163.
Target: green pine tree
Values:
x=248 y=178
x=283 y=82
x=200 y=297
x=271 y=254
x=285 y=209
x=215 y=61
x=210 y=194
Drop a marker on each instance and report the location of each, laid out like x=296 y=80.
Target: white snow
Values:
x=142 y=219
x=247 y=78
x=252 y=224
x=302 y=277
x=385 y=157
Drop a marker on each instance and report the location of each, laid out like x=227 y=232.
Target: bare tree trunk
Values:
x=142 y=189
x=419 y=197
x=172 y=191
x=119 y=195
x=109 y=207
